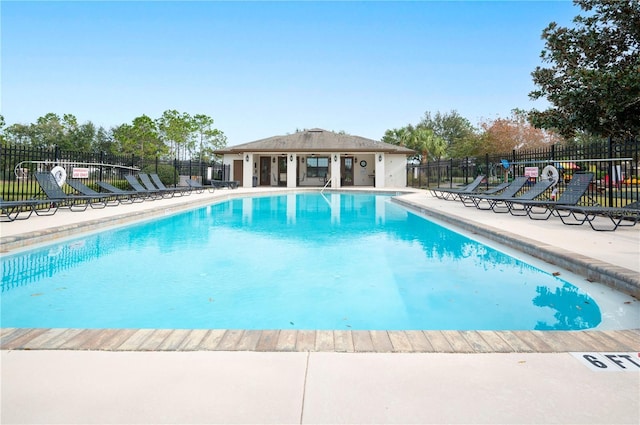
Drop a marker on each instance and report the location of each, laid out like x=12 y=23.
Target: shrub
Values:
x=167 y=173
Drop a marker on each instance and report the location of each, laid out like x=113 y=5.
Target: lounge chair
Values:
x=110 y=199
x=135 y=184
x=198 y=187
x=478 y=199
x=489 y=192
x=61 y=199
x=15 y=210
x=496 y=203
x=229 y=184
x=185 y=190
x=131 y=195
x=543 y=209
x=503 y=189
x=453 y=194
x=626 y=216
x=148 y=184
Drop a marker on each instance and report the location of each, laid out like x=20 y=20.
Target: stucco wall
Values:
x=395 y=167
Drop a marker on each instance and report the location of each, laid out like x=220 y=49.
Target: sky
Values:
x=261 y=69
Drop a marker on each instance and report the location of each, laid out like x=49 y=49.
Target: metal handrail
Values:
x=325 y=185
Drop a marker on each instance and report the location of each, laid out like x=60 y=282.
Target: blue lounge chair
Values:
x=453 y=194
x=543 y=209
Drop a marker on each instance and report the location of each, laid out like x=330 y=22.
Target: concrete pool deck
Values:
x=218 y=376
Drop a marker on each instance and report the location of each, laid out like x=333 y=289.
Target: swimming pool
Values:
x=298 y=261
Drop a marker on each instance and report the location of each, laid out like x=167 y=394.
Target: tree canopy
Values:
x=173 y=135
x=513 y=133
x=593 y=77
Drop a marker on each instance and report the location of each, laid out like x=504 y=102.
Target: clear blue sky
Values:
x=266 y=68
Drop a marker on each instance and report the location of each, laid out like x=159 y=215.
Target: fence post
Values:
x=427 y=173
x=101 y=165
x=176 y=174
x=486 y=164
x=611 y=171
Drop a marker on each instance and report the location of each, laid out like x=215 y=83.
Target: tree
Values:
x=140 y=138
x=457 y=132
x=425 y=141
x=593 y=82
x=207 y=137
x=104 y=141
x=176 y=129
x=77 y=136
x=421 y=139
x=396 y=136
x=503 y=135
x=3 y=140
x=20 y=134
x=48 y=132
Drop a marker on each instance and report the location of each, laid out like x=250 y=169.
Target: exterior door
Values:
x=282 y=171
x=346 y=171
x=265 y=171
x=237 y=171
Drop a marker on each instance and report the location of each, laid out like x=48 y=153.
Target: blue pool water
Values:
x=296 y=261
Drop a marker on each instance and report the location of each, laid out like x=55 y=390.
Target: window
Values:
x=317 y=166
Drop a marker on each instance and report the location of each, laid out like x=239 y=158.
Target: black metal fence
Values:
x=614 y=165
x=19 y=165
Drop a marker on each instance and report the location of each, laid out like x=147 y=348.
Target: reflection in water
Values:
x=318 y=261
x=34 y=265
x=573 y=310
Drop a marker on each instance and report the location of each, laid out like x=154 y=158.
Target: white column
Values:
x=247 y=210
x=291 y=208
x=335 y=170
x=247 y=170
x=380 y=160
x=335 y=208
x=292 y=169
x=381 y=210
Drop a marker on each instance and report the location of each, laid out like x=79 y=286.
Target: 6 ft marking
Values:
x=611 y=362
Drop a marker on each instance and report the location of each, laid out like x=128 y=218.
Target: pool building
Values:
x=317 y=158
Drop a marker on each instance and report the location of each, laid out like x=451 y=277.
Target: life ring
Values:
x=550 y=173
x=60 y=174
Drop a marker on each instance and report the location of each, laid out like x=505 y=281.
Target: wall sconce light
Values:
x=380 y=158
x=335 y=158
x=291 y=158
x=246 y=158
x=273 y=159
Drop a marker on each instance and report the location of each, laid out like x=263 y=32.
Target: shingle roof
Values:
x=316 y=140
